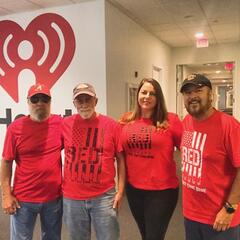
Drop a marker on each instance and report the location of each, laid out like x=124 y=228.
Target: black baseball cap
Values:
x=197 y=80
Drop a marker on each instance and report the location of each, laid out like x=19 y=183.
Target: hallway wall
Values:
x=130 y=48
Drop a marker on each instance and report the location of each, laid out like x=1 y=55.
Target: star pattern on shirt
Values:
x=187 y=139
x=79 y=135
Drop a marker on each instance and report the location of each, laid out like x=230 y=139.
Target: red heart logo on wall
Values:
x=51 y=46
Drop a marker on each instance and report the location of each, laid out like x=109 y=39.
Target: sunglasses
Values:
x=43 y=98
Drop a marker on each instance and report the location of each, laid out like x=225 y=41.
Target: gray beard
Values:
x=41 y=115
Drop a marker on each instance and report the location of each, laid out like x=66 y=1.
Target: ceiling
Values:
x=176 y=21
x=217 y=72
x=173 y=21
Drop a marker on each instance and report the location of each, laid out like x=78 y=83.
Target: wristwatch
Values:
x=230 y=208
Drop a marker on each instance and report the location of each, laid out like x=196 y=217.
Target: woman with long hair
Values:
x=149 y=136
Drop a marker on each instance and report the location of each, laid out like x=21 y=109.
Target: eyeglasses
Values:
x=43 y=98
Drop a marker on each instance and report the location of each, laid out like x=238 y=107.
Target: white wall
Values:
x=87 y=20
x=217 y=53
x=130 y=48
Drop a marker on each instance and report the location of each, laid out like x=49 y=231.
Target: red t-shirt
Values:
x=36 y=149
x=149 y=153
x=210 y=155
x=90 y=149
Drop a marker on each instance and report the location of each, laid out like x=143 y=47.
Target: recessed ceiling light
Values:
x=199 y=35
x=218 y=71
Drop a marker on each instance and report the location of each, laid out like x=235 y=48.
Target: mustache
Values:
x=194 y=101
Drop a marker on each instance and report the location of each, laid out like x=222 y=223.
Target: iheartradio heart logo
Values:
x=50 y=44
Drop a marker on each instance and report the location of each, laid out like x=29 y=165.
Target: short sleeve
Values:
x=177 y=129
x=232 y=139
x=9 y=147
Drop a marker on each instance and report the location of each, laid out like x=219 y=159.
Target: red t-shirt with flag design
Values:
x=210 y=155
x=90 y=149
x=149 y=153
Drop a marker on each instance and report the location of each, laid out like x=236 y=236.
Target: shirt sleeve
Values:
x=117 y=134
x=232 y=139
x=177 y=130
x=9 y=147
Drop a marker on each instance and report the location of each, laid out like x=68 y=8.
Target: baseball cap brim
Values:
x=188 y=84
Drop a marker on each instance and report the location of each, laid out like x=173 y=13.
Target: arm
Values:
x=121 y=172
x=223 y=219
x=9 y=202
x=177 y=129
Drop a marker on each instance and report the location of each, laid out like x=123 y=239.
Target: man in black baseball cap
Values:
x=210 y=165
x=197 y=80
x=197 y=95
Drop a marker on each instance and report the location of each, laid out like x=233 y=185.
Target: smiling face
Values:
x=147 y=99
x=198 y=101
x=85 y=105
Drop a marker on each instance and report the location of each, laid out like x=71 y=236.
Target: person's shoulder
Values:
x=124 y=119
x=108 y=121
x=56 y=117
x=69 y=118
x=17 y=124
x=172 y=115
x=106 y=118
x=187 y=118
x=19 y=121
x=227 y=119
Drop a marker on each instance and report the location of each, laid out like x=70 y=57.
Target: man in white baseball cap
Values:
x=91 y=145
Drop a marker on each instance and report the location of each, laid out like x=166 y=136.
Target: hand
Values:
x=10 y=204
x=223 y=220
x=117 y=200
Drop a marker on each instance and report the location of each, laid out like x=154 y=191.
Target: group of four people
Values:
x=143 y=144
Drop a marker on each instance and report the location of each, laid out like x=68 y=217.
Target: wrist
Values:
x=6 y=195
x=120 y=192
x=230 y=207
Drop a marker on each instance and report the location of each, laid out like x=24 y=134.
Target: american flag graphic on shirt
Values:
x=192 y=151
x=84 y=156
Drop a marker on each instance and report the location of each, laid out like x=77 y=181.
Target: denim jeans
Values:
x=200 y=231
x=79 y=215
x=23 y=222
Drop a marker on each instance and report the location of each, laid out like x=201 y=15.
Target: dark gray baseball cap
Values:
x=197 y=80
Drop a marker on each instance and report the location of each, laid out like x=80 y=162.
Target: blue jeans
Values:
x=23 y=222
x=79 y=215
x=200 y=231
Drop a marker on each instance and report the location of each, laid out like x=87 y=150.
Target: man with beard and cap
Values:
x=90 y=146
x=34 y=143
x=210 y=165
